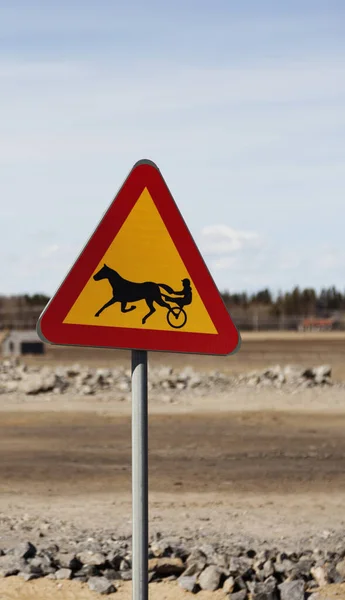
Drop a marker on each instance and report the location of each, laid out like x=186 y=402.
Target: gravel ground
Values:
x=244 y=466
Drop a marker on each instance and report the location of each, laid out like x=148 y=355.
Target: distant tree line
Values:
x=36 y=299
x=298 y=302
x=303 y=302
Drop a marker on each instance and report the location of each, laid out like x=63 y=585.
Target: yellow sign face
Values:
x=141 y=282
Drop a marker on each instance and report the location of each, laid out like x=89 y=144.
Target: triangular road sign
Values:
x=140 y=282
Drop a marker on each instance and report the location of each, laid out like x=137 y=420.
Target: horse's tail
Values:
x=166 y=287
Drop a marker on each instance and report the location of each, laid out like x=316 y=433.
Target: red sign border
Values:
x=50 y=326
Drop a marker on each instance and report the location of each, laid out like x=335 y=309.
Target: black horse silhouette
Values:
x=127 y=291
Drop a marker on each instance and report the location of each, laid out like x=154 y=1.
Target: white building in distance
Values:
x=18 y=343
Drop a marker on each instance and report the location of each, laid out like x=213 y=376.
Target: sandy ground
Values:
x=258 y=467
x=13 y=588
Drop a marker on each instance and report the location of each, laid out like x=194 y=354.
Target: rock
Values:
x=125 y=565
x=292 y=590
x=273 y=372
x=81 y=578
x=302 y=568
x=101 y=585
x=51 y=551
x=91 y=558
x=308 y=373
x=221 y=561
x=197 y=557
x=262 y=555
x=69 y=561
x=111 y=574
x=159 y=549
x=268 y=568
x=63 y=574
x=229 y=585
x=306 y=383
x=166 y=385
x=241 y=595
x=166 y=566
x=28 y=576
x=209 y=579
x=284 y=566
x=240 y=565
x=195 y=381
x=10 y=565
x=35 y=384
x=292 y=373
x=24 y=550
x=124 y=386
x=86 y=390
x=340 y=568
x=73 y=371
x=163 y=373
x=322 y=371
x=127 y=575
x=86 y=381
x=240 y=583
x=115 y=559
x=188 y=583
x=41 y=565
x=263 y=568
x=87 y=571
x=320 y=575
x=265 y=590
x=193 y=569
x=11 y=386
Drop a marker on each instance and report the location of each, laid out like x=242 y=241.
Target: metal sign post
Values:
x=139 y=476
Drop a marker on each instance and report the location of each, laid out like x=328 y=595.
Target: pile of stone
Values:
x=241 y=574
x=18 y=377
x=289 y=376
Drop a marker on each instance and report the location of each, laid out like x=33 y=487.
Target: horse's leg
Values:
x=169 y=298
x=112 y=301
x=160 y=301
x=124 y=309
x=151 y=311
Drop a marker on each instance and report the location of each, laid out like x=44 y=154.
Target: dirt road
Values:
x=250 y=453
x=247 y=475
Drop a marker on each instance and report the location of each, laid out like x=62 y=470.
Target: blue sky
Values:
x=241 y=104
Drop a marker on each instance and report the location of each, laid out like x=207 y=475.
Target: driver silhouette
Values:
x=186 y=294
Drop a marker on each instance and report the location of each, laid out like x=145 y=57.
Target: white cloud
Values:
x=231 y=251
x=223 y=263
x=221 y=240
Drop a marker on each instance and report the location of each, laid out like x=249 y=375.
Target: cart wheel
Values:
x=176 y=317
